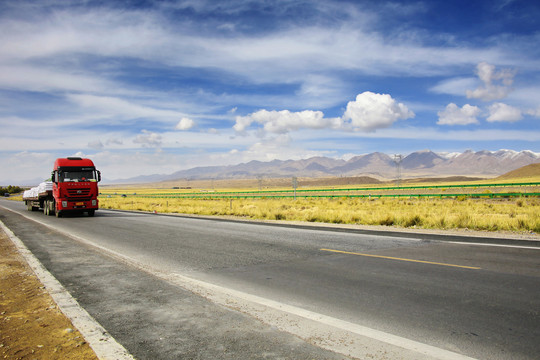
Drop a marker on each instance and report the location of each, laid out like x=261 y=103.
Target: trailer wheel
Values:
x=30 y=206
x=47 y=207
x=52 y=207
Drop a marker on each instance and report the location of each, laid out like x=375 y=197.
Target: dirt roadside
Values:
x=31 y=325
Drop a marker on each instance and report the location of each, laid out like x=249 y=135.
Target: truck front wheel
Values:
x=57 y=212
x=91 y=212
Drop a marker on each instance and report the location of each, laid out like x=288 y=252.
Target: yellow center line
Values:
x=401 y=259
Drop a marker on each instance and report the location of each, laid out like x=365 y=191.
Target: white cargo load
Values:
x=34 y=192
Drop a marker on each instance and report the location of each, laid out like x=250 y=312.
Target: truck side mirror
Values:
x=53 y=177
x=99 y=176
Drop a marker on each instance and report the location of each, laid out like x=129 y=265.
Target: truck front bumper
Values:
x=65 y=204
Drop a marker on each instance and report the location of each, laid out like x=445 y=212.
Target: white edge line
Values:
x=387 y=338
x=226 y=297
x=103 y=344
x=495 y=245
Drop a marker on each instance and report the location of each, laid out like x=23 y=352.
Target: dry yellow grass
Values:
x=478 y=214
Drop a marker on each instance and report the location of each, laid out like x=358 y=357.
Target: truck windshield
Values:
x=77 y=175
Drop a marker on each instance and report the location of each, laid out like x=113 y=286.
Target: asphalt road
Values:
x=137 y=275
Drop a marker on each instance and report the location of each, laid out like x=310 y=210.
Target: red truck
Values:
x=74 y=188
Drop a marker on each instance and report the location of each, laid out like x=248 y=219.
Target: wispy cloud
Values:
x=293 y=52
x=110 y=107
x=37 y=78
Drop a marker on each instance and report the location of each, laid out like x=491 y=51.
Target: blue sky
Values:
x=146 y=87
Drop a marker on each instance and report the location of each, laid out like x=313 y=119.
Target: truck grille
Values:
x=78 y=193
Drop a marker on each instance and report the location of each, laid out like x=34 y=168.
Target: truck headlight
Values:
x=64 y=204
x=94 y=202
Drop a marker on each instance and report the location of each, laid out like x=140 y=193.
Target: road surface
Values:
x=276 y=291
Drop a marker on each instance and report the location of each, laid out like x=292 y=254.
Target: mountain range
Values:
x=424 y=163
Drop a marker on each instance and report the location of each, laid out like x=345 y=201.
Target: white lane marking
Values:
x=225 y=296
x=103 y=344
x=330 y=333
x=495 y=245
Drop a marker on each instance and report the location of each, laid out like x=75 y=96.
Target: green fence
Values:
x=346 y=192
x=306 y=196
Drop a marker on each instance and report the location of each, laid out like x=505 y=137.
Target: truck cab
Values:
x=75 y=185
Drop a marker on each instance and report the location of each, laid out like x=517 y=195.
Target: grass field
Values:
x=477 y=214
x=461 y=212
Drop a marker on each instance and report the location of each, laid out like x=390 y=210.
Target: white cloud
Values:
x=185 y=124
x=281 y=122
x=372 y=111
x=96 y=145
x=242 y=123
x=486 y=72
x=453 y=115
x=148 y=139
x=496 y=83
x=503 y=112
x=24 y=166
x=270 y=149
x=534 y=112
x=122 y=165
x=279 y=146
x=368 y=112
x=113 y=141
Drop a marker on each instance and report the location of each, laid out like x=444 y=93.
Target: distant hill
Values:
x=377 y=165
x=340 y=181
x=527 y=171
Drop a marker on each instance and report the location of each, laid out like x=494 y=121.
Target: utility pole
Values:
x=295 y=185
x=259 y=180
x=398 y=158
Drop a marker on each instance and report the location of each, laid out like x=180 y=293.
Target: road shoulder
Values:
x=31 y=323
